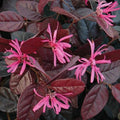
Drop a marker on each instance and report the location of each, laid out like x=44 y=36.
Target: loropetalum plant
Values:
x=53 y=66
x=103 y=11
x=50 y=101
x=58 y=46
x=81 y=69
x=18 y=57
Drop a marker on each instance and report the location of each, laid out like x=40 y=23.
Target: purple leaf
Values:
x=26 y=103
x=64 y=12
x=8 y=100
x=68 y=85
x=116 y=92
x=111 y=32
x=72 y=62
x=10 y=21
x=19 y=82
x=29 y=10
x=31 y=45
x=113 y=55
x=94 y=101
x=4 y=44
x=111 y=71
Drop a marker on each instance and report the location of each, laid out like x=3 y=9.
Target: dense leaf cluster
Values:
x=27 y=20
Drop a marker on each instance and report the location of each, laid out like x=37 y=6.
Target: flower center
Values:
x=22 y=58
x=93 y=62
x=52 y=94
x=52 y=45
x=99 y=11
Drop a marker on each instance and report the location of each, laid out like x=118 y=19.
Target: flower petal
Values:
x=64 y=38
x=23 y=67
x=92 y=74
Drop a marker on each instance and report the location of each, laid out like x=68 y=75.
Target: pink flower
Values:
x=18 y=57
x=58 y=46
x=53 y=100
x=86 y=2
x=104 y=11
x=81 y=68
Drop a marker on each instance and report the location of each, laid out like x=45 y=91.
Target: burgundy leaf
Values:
x=116 y=91
x=68 y=85
x=94 y=101
x=46 y=61
x=7 y=5
x=8 y=100
x=10 y=21
x=4 y=44
x=31 y=45
x=39 y=67
x=32 y=28
x=43 y=25
x=63 y=33
x=64 y=12
x=113 y=55
x=86 y=48
x=108 y=30
x=111 y=71
x=26 y=103
x=56 y=7
x=71 y=63
x=46 y=56
x=29 y=10
x=19 y=82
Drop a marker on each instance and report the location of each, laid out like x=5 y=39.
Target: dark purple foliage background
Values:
x=27 y=20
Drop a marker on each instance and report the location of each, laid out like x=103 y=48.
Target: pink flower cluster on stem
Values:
x=53 y=101
x=104 y=11
x=81 y=68
x=59 y=46
x=18 y=57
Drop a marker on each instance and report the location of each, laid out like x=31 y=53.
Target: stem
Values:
x=109 y=85
x=57 y=16
x=110 y=42
x=8 y=116
x=87 y=15
x=73 y=61
x=74 y=21
x=67 y=5
x=43 y=74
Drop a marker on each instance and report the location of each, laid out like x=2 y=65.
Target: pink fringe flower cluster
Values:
x=85 y=63
x=104 y=11
x=18 y=57
x=53 y=101
x=59 y=46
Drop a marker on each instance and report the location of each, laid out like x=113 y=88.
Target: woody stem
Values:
x=74 y=21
